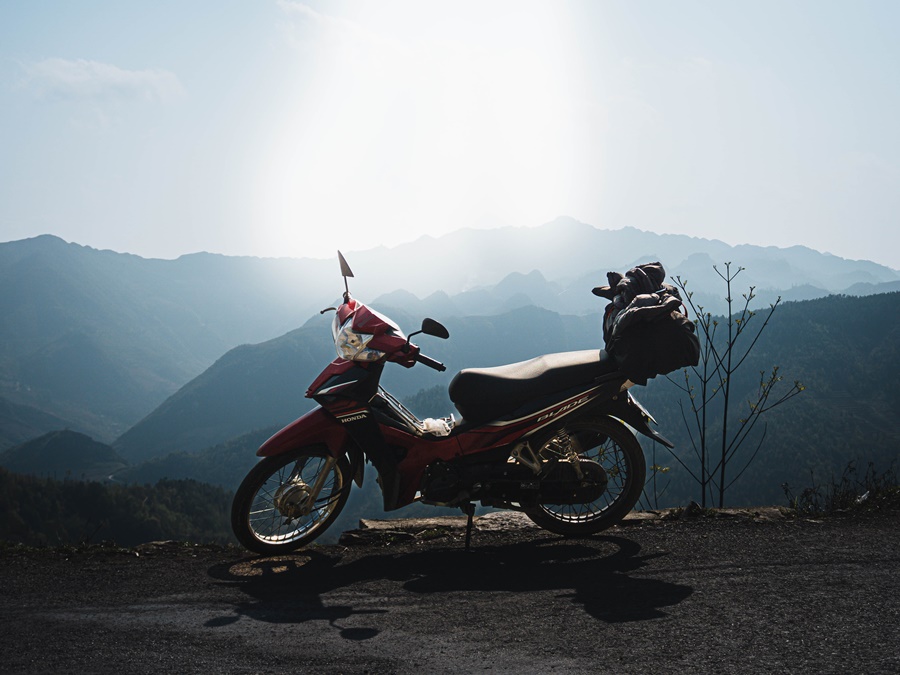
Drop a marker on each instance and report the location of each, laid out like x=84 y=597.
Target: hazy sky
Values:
x=288 y=128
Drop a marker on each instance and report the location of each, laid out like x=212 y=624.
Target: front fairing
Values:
x=367 y=320
x=362 y=334
x=348 y=380
x=357 y=379
x=336 y=368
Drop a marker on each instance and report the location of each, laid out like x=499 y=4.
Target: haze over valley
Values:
x=153 y=369
x=99 y=339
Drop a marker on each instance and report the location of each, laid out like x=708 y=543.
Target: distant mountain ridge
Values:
x=97 y=340
x=566 y=249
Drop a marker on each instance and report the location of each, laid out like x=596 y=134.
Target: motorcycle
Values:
x=551 y=437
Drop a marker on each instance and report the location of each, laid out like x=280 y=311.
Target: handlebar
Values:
x=430 y=362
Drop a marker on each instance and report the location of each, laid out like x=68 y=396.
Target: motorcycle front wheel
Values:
x=610 y=444
x=286 y=501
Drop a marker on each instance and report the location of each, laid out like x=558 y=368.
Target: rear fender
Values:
x=626 y=408
x=316 y=428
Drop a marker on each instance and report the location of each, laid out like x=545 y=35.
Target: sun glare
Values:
x=413 y=122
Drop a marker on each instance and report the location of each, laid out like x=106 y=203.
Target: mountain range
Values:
x=175 y=356
x=111 y=364
x=843 y=349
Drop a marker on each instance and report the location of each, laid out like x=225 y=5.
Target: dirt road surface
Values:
x=696 y=595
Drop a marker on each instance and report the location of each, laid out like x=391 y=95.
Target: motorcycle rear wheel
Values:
x=609 y=443
x=272 y=513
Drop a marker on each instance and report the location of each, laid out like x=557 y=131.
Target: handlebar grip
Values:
x=430 y=362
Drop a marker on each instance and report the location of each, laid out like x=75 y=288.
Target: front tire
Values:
x=274 y=510
x=610 y=444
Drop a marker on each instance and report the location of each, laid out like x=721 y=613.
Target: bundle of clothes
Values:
x=643 y=325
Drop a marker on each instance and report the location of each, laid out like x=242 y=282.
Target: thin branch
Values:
x=752 y=457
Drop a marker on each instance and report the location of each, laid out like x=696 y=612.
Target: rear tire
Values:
x=609 y=443
x=271 y=513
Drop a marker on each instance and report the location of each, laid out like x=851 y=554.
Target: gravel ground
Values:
x=690 y=595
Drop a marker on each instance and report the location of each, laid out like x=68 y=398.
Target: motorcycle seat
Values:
x=483 y=394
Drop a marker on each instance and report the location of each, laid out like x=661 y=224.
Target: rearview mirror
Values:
x=434 y=328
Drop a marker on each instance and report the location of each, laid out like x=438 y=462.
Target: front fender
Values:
x=316 y=428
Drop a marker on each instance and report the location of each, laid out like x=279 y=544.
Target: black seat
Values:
x=482 y=394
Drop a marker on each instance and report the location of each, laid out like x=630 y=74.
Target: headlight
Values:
x=351 y=345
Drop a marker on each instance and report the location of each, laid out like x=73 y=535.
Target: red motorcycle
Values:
x=551 y=437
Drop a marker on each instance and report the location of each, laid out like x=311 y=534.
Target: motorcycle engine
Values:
x=441 y=484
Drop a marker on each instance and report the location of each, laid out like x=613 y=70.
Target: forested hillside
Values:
x=63 y=454
x=48 y=512
x=844 y=350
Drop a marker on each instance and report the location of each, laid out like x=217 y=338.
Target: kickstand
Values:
x=469 y=510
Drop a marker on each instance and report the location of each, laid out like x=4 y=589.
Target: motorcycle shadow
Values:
x=595 y=573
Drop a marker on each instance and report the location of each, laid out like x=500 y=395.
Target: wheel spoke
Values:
x=288 y=486
x=594 y=441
